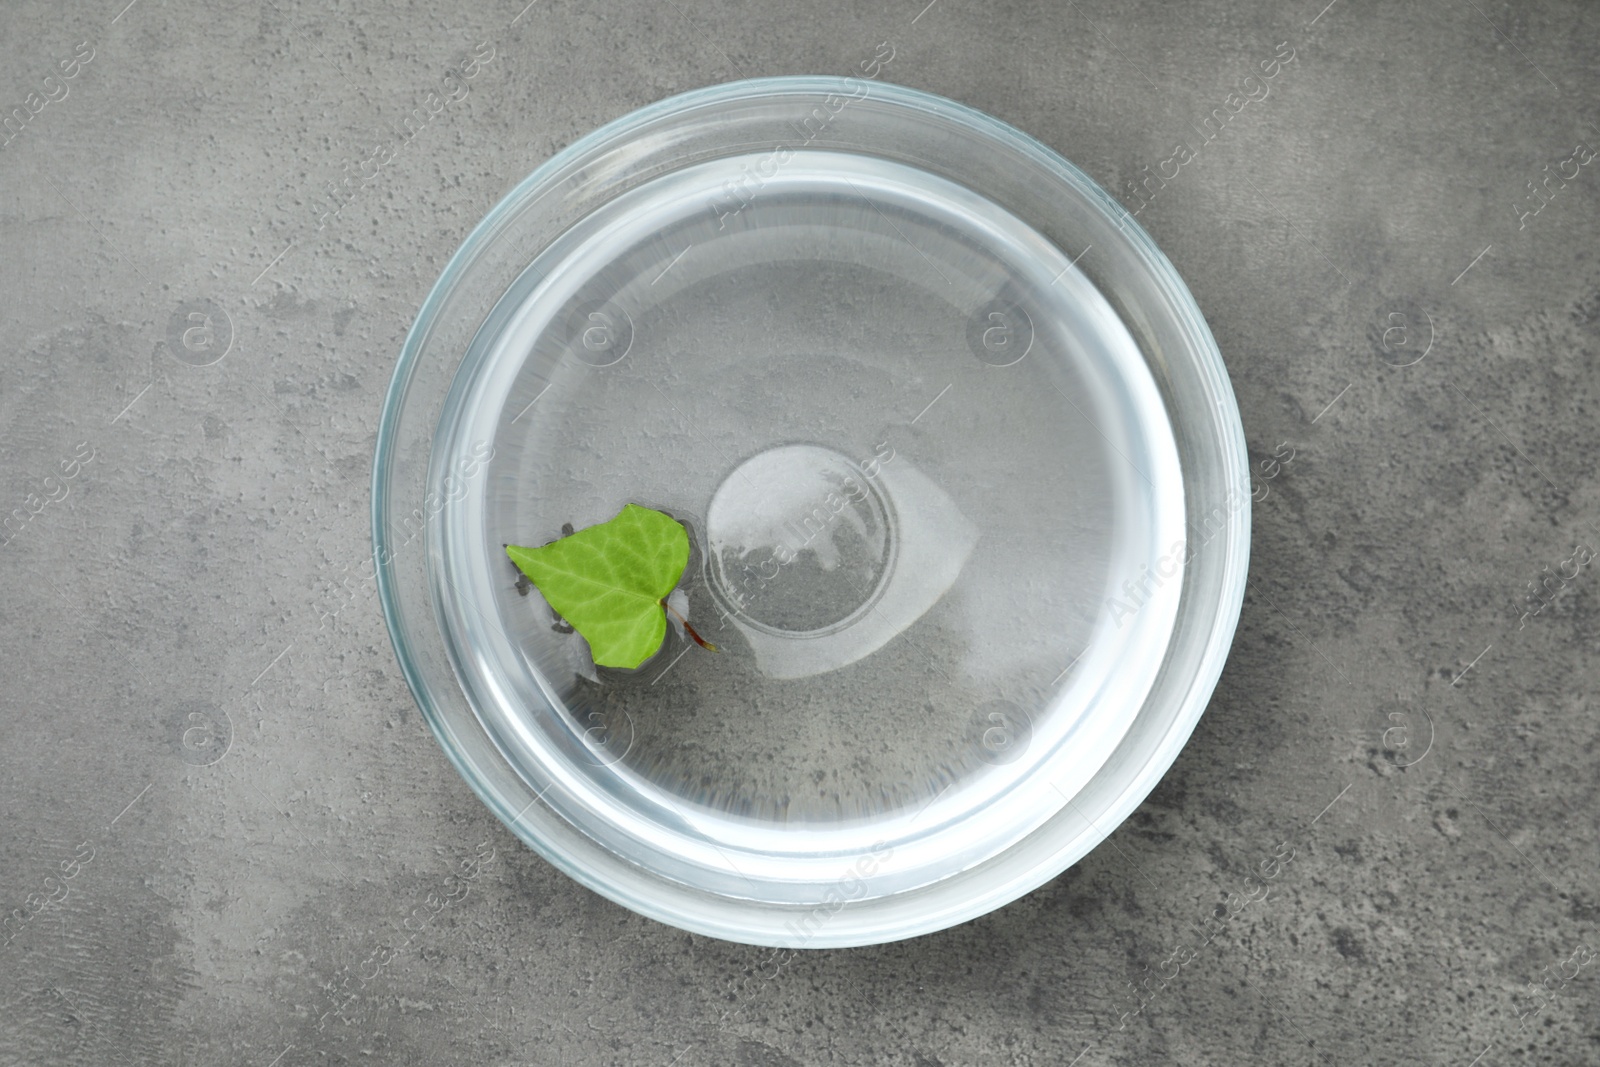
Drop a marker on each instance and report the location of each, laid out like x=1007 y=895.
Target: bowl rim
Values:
x=1192 y=700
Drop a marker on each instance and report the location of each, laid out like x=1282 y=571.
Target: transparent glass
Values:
x=964 y=478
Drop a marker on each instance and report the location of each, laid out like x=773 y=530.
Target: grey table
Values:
x=223 y=817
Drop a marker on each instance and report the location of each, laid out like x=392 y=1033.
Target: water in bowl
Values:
x=926 y=474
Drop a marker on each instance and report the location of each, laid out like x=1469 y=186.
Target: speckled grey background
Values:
x=203 y=725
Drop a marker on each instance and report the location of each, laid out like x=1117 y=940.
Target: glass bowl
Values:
x=965 y=484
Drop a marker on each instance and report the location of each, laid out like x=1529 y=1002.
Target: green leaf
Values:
x=609 y=581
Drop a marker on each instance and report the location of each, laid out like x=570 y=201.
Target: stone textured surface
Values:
x=250 y=806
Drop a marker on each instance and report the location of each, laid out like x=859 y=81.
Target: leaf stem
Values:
x=702 y=642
